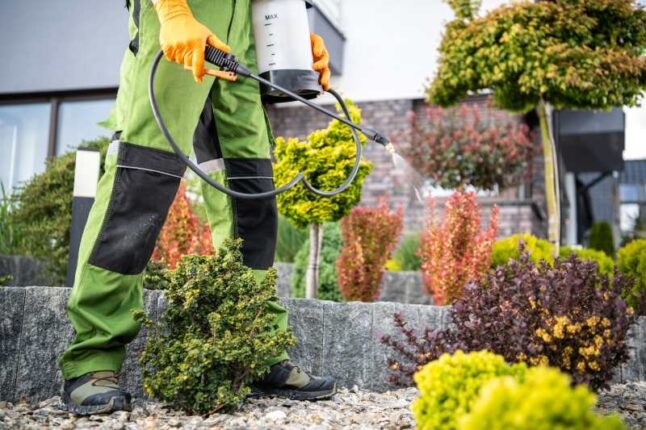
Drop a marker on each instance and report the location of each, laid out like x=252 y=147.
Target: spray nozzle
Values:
x=375 y=136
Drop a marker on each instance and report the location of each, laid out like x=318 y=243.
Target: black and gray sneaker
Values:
x=289 y=381
x=95 y=393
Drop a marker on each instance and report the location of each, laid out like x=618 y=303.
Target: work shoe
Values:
x=95 y=393
x=289 y=381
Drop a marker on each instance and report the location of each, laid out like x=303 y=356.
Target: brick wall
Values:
x=520 y=209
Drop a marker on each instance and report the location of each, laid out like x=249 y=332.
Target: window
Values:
x=24 y=131
x=78 y=121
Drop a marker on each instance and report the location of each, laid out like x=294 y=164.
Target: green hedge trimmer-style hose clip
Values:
x=232 y=67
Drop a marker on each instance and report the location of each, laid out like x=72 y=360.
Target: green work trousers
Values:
x=226 y=126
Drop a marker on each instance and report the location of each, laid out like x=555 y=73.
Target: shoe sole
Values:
x=292 y=394
x=115 y=404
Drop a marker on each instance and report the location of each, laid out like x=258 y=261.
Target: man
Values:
x=231 y=137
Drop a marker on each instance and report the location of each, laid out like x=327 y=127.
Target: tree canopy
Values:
x=584 y=54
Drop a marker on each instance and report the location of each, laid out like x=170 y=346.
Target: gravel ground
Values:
x=349 y=409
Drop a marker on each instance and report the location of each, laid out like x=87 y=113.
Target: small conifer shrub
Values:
x=215 y=336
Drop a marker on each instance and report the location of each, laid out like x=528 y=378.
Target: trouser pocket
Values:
x=145 y=185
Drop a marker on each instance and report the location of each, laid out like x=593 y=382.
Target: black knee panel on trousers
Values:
x=255 y=221
x=146 y=181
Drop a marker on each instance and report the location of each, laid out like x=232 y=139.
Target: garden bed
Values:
x=349 y=409
x=340 y=339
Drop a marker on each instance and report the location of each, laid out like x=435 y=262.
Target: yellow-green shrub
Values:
x=450 y=385
x=631 y=261
x=507 y=249
x=605 y=265
x=543 y=400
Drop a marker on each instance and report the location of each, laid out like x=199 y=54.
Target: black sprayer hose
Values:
x=228 y=62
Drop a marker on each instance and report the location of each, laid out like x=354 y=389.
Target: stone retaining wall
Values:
x=341 y=339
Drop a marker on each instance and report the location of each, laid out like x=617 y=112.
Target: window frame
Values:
x=54 y=100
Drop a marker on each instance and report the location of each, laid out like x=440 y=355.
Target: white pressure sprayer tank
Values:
x=283 y=49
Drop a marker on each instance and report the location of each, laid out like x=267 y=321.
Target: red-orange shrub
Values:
x=456 y=251
x=369 y=238
x=183 y=233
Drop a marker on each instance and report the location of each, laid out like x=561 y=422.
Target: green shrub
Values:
x=507 y=248
x=290 y=240
x=601 y=238
x=43 y=212
x=605 y=264
x=449 y=386
x=544 y=400
x=9 y=233
x=406 y=253
x=328 y=285
x=215 y=335
x=631 y=261
x=156 y=276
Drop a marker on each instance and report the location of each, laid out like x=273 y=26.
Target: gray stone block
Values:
x=284 y=281
x=382 y=325
x=404 y=287
x=45 y=334
x=12 y=303
x=306 y=319
x=348 y=343
x=635 y=368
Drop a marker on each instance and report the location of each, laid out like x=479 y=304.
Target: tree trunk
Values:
x=312 y=276
x=551 y=177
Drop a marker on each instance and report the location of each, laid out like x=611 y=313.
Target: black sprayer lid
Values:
x=309 y=3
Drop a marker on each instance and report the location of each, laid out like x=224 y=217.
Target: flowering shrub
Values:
x=215 y=336
x=369 y=237
x=567 y=316
x=631 y=261
x=183 y=233
x=543 y=400
x=461 y=146
x=448 y=387
x=455 y=251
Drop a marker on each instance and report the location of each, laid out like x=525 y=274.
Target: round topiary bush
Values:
x=508 y=248
x=215 y=336
x=631 y=261
x=543 y=400
x=449 y=386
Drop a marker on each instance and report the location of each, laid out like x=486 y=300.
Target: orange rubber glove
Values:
x=183 y=38
x=321 y=60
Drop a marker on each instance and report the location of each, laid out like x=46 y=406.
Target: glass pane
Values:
x=24 y=132
x=77 y=121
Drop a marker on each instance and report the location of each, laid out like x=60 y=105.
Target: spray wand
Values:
x=230 y=70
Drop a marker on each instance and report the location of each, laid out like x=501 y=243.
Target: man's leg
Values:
x=134 y=194
x=232 y=143
x=254 y=221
